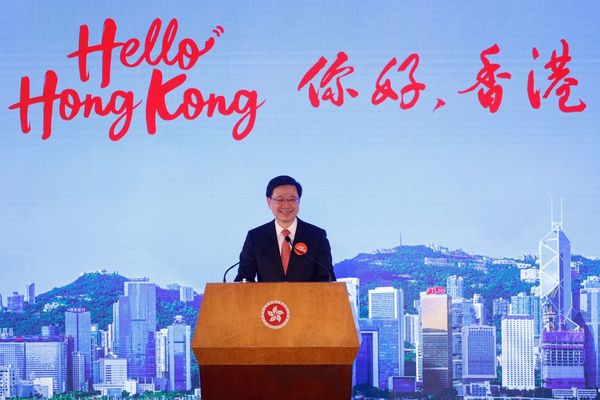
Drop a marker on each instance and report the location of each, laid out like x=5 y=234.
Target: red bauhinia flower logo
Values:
x=275 y=314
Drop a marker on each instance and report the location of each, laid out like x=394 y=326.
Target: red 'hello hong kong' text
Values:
x=157 y=48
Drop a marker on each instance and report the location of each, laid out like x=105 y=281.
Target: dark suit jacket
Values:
x=260 y=258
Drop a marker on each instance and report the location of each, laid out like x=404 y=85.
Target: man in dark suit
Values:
x=268 y=256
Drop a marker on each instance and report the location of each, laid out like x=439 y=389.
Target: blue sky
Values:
x=176 y=206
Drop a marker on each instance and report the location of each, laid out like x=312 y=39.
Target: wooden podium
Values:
x=276 y=341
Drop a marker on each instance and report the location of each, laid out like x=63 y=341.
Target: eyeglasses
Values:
x=285 y=201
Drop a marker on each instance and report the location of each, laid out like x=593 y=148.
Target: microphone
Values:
x=229 y=269
x=301 y=250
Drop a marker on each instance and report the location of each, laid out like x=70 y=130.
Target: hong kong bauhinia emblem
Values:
x=275 y=314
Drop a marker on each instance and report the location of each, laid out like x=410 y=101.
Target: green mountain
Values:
x=96 y=292
x=410 y=268
x=415 y=268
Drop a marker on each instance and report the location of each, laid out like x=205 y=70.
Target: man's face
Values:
x=284 y=204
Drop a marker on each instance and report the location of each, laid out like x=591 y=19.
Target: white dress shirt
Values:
x=291 y=228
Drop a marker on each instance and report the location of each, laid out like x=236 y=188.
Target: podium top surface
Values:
x=275 y=324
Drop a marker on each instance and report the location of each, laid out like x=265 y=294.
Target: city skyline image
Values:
x=448 y=149
x=455 y=346
x=180 y=201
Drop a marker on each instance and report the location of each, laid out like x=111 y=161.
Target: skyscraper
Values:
x=179 y=338
x=134 y=319
x=30 y=293
x=518 y=364
x=186 y=294
x=479 y=352
x=436 y=340
x=454 y=286
x=47 y=358
x=463 y=314
x=526 y=304
x=366 y=371
x=97 y=350
x=79 y=382
x=479 y=309
x=555 y=279
x=121 y=327
x=411 y=328
x=562 y=340
x=388 y=303
x=12 y=352
x=563 y=359
x=378 y=356
x=457 y=313
x=162 y=353
x=500 y=307
x=15 y=302
x=8 y=382
x=78 y=326
x=590 y=311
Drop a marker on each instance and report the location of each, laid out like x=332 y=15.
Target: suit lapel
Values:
x=294 y=258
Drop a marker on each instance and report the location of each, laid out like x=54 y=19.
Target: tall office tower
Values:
x=186 y=294
x=378 y=356
x=78 y=326
x=105 y=341
x=141 y=362
x=526 y=304
x=457 y=324
x=366 y=370
x=134 y=320
x=8 y=382
x=113 y=370
x=411 y=328
x=98 y=352
x=110 y=334
x=563 y=359
x=590 y=311
x=388 y=303
x=479 y=309
x=454 y=286
x=15 y=302
x=436 y=339
x=180 y=353
x=353 y=286
x=12 y=352
x=78 y=378
x=555 y=279
x=47 y=358
x=162 y=353
x=30 y=293
x=500 y=307
x=0 y=302
x=463 y=314
x=122 y=327
x=562 y=340
x=518 y=363
x=479 y=352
